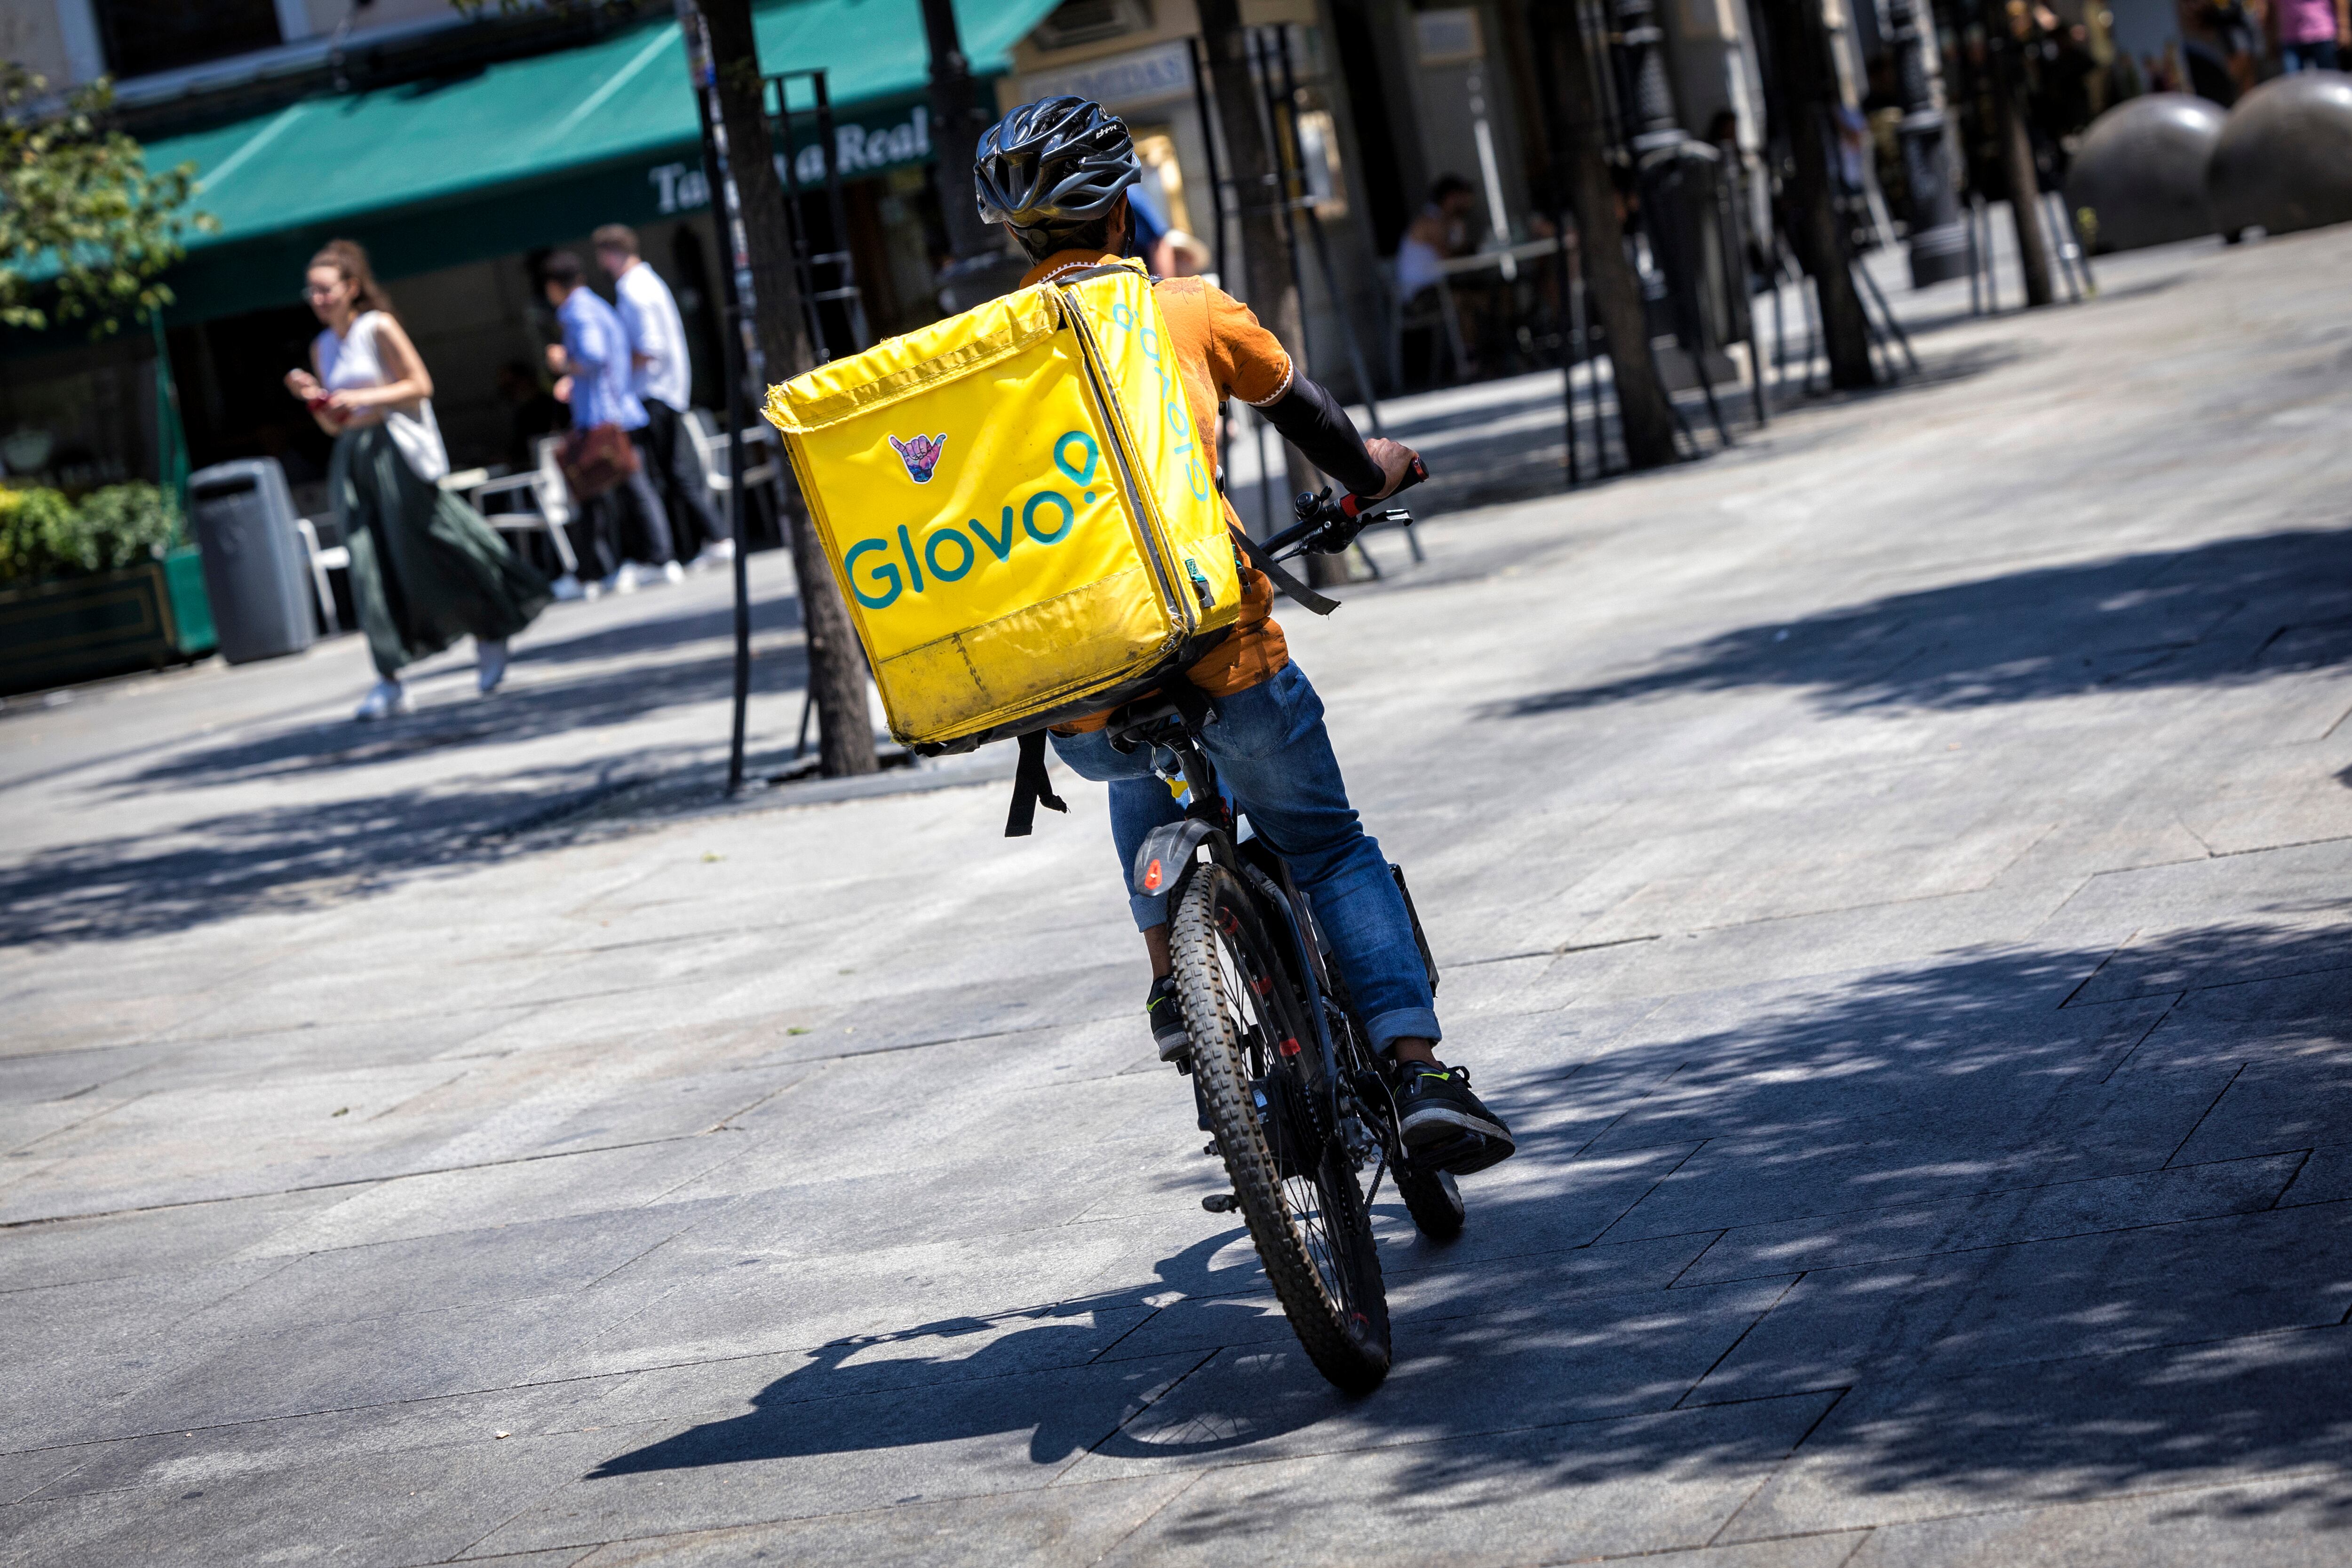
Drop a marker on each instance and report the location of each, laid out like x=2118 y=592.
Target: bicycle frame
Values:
x=1171 y=856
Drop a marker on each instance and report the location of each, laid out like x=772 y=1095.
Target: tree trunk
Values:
x=1645 y=417
x=2025 y=179
x=1800 y=59
x=1268 y=285
x=837 y=670
x=956 y=124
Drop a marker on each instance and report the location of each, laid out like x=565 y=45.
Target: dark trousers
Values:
x=625 y=523
x=668 y=453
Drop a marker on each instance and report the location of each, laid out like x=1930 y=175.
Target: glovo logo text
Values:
x=1172 y=408
x=951 y=554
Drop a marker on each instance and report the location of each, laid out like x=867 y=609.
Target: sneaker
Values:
x=490 y=665
x=716 y=554
x=1442 y=1122
x=388 y=697
x=567 y=587
x=1167 y=1019
x=672 y=572
x=624 y=579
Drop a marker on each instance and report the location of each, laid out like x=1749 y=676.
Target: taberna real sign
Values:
x=890 y=139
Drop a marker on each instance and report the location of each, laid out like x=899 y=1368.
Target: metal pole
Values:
x=1567 y=275
x=1893 y=327
x=1313 y=221
x=1261 y=61
x=737 y=286
x=845 y=279
x=803 y=268
x=1568 y=345
x=1937 y=243
x=1584 y=356
x=1216 y=207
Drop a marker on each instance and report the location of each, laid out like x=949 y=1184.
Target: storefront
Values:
x=1137 y=59
x=457 y=187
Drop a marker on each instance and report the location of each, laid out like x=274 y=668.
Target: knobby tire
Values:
x=1339 y=1311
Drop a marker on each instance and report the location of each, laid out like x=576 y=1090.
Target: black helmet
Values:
x=1053 y=165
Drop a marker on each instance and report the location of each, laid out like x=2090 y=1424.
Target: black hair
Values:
x=1448 y=185
x=563 y=268
x=1093 y=234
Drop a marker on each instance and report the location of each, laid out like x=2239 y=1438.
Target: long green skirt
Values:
x=425 y=569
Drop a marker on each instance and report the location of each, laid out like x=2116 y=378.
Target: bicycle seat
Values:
x=1131 y=725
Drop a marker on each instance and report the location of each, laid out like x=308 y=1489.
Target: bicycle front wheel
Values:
x=1297 y=1185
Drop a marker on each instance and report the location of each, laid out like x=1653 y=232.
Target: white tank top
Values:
x=353 y=361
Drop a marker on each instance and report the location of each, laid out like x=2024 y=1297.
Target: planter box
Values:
x=144 y=618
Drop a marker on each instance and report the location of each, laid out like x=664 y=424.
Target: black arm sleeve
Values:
x=1312 y=420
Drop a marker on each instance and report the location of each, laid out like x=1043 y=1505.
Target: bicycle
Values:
x=1283 y=1071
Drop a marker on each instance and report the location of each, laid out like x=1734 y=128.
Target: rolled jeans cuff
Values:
x=1150 y=910
x=1403 y=1022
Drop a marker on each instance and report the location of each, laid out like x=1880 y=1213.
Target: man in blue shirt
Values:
x=593 y=359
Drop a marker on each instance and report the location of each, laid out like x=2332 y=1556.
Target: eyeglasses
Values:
x=313 y=291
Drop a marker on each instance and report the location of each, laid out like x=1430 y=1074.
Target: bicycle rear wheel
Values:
x=1297 y=1187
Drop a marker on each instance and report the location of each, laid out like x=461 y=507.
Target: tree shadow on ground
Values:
x=2238 y=609
x=771 y=615
x=531 y=709
x=281 y=858
x=1975 y=1230
x=1531 y=462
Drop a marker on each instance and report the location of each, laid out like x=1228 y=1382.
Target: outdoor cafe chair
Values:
x=545 y=499
x=710 y=451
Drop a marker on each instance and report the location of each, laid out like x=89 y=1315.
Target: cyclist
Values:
x=1056 y=174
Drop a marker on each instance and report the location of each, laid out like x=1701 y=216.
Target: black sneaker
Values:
x=1167 y=1019
x=1443 y=1124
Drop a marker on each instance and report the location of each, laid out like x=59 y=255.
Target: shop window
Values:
x=143 y=36
x=1077 y=22
x=1447 y=38
x=1318 y=145
x=1155 y=149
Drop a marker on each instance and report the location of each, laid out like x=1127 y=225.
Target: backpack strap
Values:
x=1031 y=787
x=1300 y=593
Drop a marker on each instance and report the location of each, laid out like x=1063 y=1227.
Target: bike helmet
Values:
x=1052 y=166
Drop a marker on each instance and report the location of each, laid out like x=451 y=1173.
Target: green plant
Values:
x=86 y=227
x=125 y=524
x=43 y=535
x=40 y=535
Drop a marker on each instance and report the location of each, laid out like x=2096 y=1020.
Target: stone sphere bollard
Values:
x=2140 y=173
x=2285 y=161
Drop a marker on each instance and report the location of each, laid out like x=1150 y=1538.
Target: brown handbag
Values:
x=596 y=460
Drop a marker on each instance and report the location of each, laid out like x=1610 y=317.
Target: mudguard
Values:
x=1169 y=852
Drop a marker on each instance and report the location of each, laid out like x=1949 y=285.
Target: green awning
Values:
x=535 y=151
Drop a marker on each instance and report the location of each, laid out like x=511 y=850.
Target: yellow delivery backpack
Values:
x=1017 y=509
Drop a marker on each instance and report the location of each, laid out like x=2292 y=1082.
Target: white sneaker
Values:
x=624 y=579
x=673 y=573
x=490 y=665
x=716 y=554
x=567 y=587
x=388 y=697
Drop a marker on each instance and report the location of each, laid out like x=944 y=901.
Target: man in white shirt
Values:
x=662 y=380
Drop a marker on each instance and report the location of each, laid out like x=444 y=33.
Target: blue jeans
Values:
x=2319 y=56
x=1275 y=757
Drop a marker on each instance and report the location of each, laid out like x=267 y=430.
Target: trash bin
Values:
x=257 y=571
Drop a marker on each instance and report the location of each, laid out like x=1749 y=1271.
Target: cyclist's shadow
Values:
x=1043 y=1377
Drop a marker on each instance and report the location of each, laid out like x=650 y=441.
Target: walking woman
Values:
x=425 y=568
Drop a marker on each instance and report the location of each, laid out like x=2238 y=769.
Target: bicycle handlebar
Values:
x=1327 y=527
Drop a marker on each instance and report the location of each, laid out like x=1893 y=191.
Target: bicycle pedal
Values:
x=1221 y=1203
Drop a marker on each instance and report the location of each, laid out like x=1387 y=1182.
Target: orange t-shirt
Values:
x=1220 y=351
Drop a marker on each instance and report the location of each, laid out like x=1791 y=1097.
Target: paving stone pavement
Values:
x=1893 y=874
